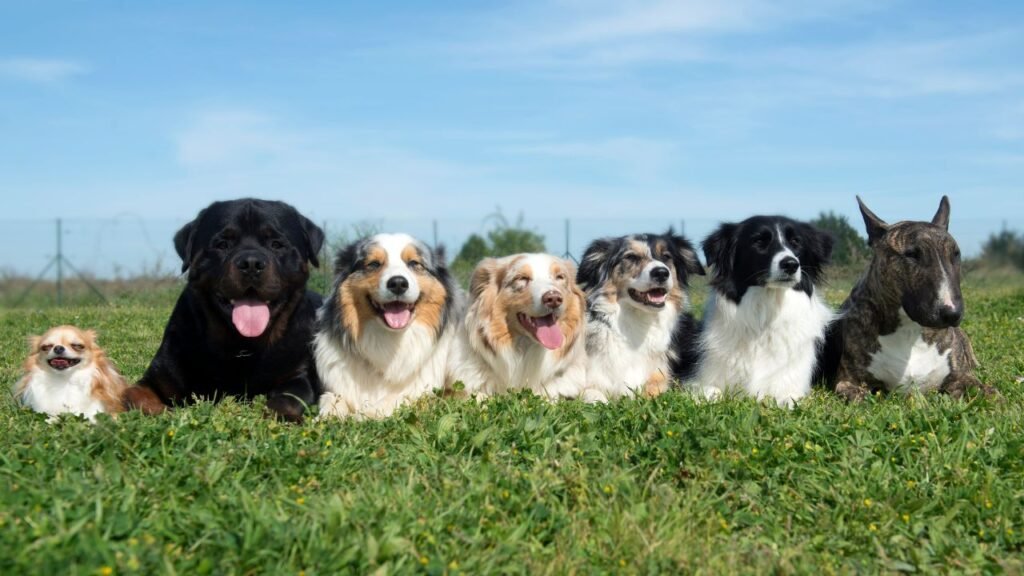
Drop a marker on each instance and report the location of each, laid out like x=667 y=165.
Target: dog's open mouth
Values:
x=545 y=329
x=61 y=363
x=655 y=297
x=397 y=315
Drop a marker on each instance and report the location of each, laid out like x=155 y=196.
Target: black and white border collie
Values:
x=765 y=319
x=637 y=312
x=384 y=333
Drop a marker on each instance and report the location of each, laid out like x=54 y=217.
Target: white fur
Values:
x=67 y=392
x=524 y=365
x=622 y=357
x=765 y=347
x=905 y=362
x=393 y=244
x=375 y=375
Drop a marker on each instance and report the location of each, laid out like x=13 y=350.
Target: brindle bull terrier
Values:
x=899 y=328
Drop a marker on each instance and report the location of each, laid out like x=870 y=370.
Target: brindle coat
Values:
x=914 y=275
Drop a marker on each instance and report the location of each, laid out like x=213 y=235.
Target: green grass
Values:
x=518 y=485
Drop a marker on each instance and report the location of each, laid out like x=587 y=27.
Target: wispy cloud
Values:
x=41 y=70
x=226 y=137
x=638 y=158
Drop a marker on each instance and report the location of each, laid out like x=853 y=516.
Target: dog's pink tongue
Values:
x=250 y=317
x=548 y=333
x=397 y=315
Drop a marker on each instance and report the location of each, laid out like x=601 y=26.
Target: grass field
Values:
x=517 y=485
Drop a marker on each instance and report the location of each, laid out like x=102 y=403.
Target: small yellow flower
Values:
x=106 y=570
x=1009 y=531
x=622 y=562
x=892 y=459
x=723 y=523
x=753 y=451
x=893 y=426
x=505 y=494
x=170 y=433
x=424 y=560
x=981 y=533
x=453 y=565
x=300 y=501
x=670 y=433
x=133 y=541
x=906 y=518
x=607 y=489
x=988 y=504
x=328 y=443
x=868 y=502
x=911 y=483
x=872 y=527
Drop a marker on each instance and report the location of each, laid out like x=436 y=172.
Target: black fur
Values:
x=202 y=354
x=741 y=253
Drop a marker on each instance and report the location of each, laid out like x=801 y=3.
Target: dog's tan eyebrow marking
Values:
x=410 y=252
x=376 y=254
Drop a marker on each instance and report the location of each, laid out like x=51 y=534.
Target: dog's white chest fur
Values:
x=906 y=362
x=624 y=353
x=383 y=370
x=63 y=393
x=765 y=346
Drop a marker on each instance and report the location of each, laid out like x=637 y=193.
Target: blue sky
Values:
x=564 y=108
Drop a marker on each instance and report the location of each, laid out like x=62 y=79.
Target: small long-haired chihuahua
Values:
x=68 y=373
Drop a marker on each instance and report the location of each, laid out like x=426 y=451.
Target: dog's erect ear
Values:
x=314 y=237
x=593 y=263
x=483 y=275
x=184 y=241
x=876 y=227
x=684 y=256
x=942 y=216
x=440 y=256
x=33 y=343
x=719 y=248
x=92 y=336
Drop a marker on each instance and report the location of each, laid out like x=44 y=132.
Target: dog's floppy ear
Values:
x=821 y=245
x=942 y=216
x=184 y=241
x=484 y=275
x=684 y=256
x=314 y=240
x=719 y=248
x=346 y=260
x=876 y=227
x=592 y=267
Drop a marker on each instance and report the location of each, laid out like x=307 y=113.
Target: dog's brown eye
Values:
x=276 y=245
x=956 y=254
x=78 y=347
x=372 y=266
x=560 y=277
x=912 y=253
x=414 y=265
x=222 y=244
x=631 y=258
x=46 y=347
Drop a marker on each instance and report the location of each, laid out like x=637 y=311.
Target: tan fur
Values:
x=354 y=294
x=108 y=387
x=656 y=385
x=430 y=306
x=575 y=308
x=484 y=286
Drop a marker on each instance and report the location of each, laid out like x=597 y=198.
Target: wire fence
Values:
x=130 y=246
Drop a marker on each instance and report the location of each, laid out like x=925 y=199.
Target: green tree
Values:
x=504 y=238
x=850 y=247
x=1004 y=248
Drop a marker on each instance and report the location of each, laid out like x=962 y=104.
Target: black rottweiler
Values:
x=243 y=326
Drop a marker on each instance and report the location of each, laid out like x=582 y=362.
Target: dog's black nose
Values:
x=660 y=274
x=789 y=265
x=251 y=264
x=951 y=316
x=59 y=349
x=398 y=285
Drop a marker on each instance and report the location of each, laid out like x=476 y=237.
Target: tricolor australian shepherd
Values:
x=765 y=319
x=636 y=308
x=524 y=329
x=384 y=333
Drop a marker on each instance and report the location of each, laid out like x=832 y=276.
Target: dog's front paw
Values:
x=709 y=393
x=958 y=385
x=330 y=406
x=852 y=392
x=593 y=396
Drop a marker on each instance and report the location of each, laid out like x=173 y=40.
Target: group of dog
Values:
x=396 y=326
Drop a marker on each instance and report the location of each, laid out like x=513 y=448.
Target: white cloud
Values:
x=226 y=137
x=41 y=70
